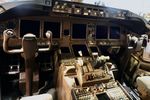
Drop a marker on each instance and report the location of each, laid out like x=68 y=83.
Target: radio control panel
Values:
x=112 y=89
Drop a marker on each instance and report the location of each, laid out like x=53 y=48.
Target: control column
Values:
x=29 y=44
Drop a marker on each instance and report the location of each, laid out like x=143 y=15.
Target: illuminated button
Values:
x=58 y=6
x=85 y=13
x=56 y=3
x=63 y=7
x=78 y=10
x=101 y=13
x=89 y=11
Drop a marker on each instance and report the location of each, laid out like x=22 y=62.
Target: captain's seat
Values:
x=50 y=95
x=143 y=86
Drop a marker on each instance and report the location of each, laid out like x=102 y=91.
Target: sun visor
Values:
x=137 y=25
x=24 y=8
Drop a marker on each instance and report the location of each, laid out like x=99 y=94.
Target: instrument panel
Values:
x=71 y=31
x=108 y=91
x=90 y=83
x=87 y=10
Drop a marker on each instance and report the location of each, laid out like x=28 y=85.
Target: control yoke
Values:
x=29 y=50
x=9 y=33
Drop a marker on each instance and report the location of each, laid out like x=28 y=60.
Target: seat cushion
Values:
x=50 y=95
x=143 y=86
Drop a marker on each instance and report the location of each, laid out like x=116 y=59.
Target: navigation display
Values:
x=114 y=32
x=26 y=26
x=79 y=31
x=101 y=32
x=54 y=27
